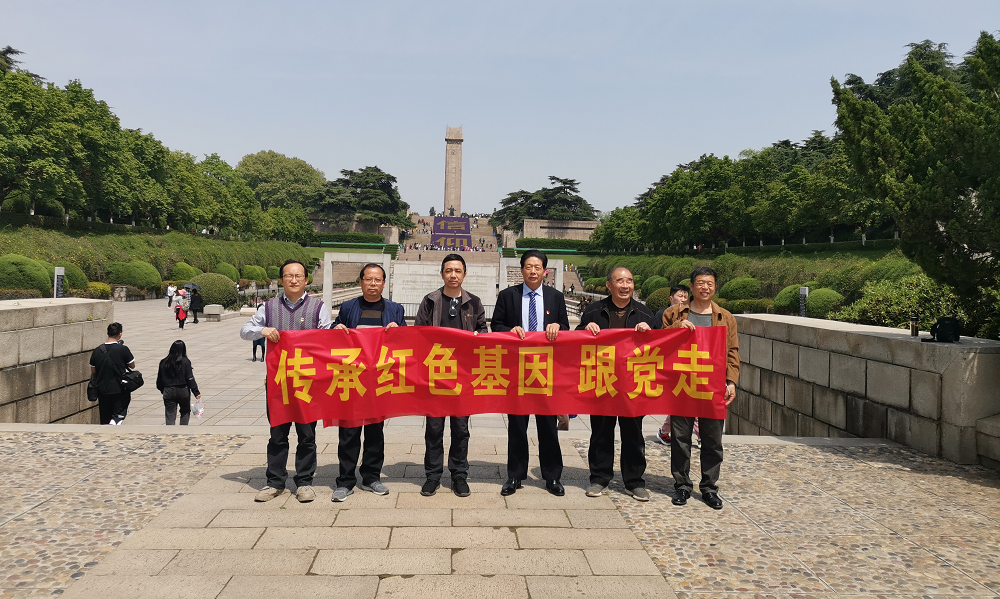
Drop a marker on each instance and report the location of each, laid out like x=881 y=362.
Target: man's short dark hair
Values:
x=281 y=271
x=676 y=288
x=361 y=275
x=535 y=254
x=702 y=271
x=114 y=329
x=452 y=258
x=612 y=271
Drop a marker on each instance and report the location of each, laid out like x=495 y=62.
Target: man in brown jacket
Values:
x=452 y=307
x=701 y=311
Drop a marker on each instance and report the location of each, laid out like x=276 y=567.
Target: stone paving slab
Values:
x=299 y=587
x=454 y=585
x=384 y=561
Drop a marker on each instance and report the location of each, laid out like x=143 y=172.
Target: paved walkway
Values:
x=145 y=510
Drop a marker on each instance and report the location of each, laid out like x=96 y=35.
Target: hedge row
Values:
x=554 y=244
x=93 y=253
x=347 y=238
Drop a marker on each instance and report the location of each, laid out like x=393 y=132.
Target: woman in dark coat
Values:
x=197 y=304
x=175 y=379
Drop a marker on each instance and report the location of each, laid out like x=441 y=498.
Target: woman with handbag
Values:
x=175 y=380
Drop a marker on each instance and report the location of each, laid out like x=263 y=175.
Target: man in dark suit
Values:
x=519 y=308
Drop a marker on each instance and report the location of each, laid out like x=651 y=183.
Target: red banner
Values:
x=369 y=375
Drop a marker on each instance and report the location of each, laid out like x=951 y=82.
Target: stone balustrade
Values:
x=818 y=378
x=45 y=347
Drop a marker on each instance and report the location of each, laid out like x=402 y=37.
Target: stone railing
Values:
x=45 y=347
x=818 y=378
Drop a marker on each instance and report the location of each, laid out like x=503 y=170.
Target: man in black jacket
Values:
x=107 y=363
x=617 y=311
x=518 y=309
x=452 y=307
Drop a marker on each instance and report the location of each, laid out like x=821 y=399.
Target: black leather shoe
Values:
x=430 y=487
x=510 y=487
x=681 y=497
x=712 y=500
x=460 y=487
x=555 y=487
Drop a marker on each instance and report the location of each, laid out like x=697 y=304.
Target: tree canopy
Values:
x=925 y=138
x=64 y=153
x=561 y=201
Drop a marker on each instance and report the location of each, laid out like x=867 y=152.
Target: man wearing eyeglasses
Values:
x=455 y=308
x=532 y=306
x=369 y=311
x=294 y=310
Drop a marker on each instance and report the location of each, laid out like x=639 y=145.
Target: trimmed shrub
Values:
x=182 y=271
x=19 y=272
x=686 y=283
x=744 y=288
x=228 y=270
x=750 y=306
x=787 y=300
x=18 y=294
x=98 y=290
x=272 y=272
x=254 y=273
x=553 y=244
x=75 y=278
x=723 y=302
x=890 y=303
x=652 y=284
x=347 y=238
x=136 y=273
x=596 y=282
x=821 y=302
x=217 y=289
x=658 y=299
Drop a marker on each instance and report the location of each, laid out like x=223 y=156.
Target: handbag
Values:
x=92 y=389
x=131 y=380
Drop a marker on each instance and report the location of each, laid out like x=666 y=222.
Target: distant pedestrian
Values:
x=175 y=380
x=107 y=363
x=171 y=290
x=180 y=311
x=262 y=344
x=197 y=304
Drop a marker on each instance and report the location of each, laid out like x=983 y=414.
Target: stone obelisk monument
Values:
x=453 y=172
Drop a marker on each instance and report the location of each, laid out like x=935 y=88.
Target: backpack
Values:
x=946 y=330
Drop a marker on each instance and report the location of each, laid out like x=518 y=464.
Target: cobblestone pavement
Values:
x=144 y=510
x=875 y=520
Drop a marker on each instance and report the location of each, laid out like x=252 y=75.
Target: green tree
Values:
x=233 y=204
x=561 y=201
x=376 y=196
x=620 y=229
x=929 y=148
x=278 y=181
x=335 y=205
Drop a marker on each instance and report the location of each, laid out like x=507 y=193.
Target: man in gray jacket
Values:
x=452 y=307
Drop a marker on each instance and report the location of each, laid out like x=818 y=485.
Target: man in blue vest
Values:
x=369 y=311
x=291 y=311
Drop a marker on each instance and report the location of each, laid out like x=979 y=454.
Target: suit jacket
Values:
x=507 y=313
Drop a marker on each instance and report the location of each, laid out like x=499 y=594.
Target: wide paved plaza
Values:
x=146 y=510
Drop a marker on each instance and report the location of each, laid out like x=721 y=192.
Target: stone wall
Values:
x=45 y=347
x=817 y=378
x=558 y=229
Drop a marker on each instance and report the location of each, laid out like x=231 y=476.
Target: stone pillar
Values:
x=453 y=171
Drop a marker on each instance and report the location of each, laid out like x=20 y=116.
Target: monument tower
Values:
x=453 y=172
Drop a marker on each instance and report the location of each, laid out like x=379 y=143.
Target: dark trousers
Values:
x=180 y=321
x=305 y=455
x=195 y=314
x=174 y=397
x=602 y=450
x=711 y=452
x=549 y=453
x=262 y=344
x=458 y=455
x=113 y=406
x=349 y=450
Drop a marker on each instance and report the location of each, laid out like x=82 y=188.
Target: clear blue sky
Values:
x=613 y=94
